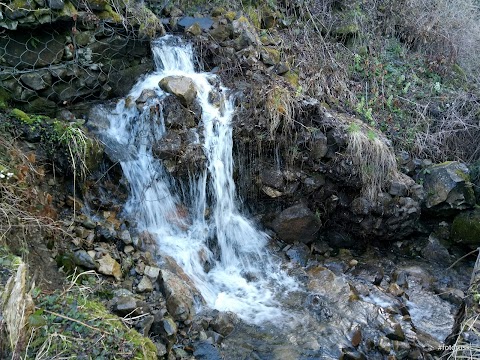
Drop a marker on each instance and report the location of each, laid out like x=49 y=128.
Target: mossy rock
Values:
x=466 y=228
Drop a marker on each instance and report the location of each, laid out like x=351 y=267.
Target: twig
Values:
x=463 y=257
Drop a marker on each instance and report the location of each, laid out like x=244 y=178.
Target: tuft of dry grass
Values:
x=375 y=161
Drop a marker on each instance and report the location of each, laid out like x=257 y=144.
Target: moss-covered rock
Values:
x=466 y=228
x=448 y=188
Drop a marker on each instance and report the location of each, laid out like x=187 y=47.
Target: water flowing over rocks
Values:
x=178 y=248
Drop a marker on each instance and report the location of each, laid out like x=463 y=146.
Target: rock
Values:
x=244 y=33
x=448 y=187
x=152 y=272
x=206 y=351
x=435 y=252
x=194 y=29
x=318 y=145
x=221 y=32
x=180 y=86
x=144 y=325
x=466 y=228
x=37 y=80
x=144 y=285
x=224 y=323
x=169 y=326
x=16 y=307
x=168 y=147
x=299 y=253
x=395 y=332
x=161 y=350
x=177 y=116
x=83 y=259
x=125 y=237
x=395 y=289
x=272 y=178
x=89 y=224
x=296 y=223
x=270 y=56
x=146 y=95
x=56 y=4
x=109 y=266
x=398 y=188
x=324 y=283
x=178 y=296
x=384 y=345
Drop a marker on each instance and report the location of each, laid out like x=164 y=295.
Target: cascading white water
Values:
x=242 y=278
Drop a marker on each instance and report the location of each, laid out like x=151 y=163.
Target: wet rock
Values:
x=146 y=95
x=108 y=266
x=178 y=296
x=466 y=228
x=398 y=188
x=435 y=252
x=296 y=223
x=125 y=237
x=395 y=332
x=412 y=275
x=272 y=178
x=340 y=239
x=83 y=259
x=326 y=284
x=384 y=345
x=299 y=253
x=224 y=323
x=180 y=86
x=448 y=187
x=206 y=351
x=395 y=289
x=145 y=285
x=319 y=145
x=168 y=147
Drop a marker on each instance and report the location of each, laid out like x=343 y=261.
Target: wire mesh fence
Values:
x=62 y=63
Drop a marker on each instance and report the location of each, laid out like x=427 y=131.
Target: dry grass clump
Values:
x=280 y=108
x=375 y=162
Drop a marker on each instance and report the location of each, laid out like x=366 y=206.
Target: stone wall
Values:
x=59 y=53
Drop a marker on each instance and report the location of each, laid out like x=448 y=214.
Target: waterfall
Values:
x=242 y=276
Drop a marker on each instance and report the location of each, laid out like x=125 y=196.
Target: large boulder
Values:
x=466 y=228
x=448 y=187
x=178 y=295
x=180 y=86
x=296 y=223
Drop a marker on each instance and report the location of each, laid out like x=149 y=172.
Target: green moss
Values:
x=230 y=15
x=22 y=116
x=254 y=15
x=292 y=78
x=218 y=11
x=4 y=98
x=466 y=228
x=69 y=10
x=110 y=14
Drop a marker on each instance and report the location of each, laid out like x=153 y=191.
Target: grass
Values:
x=375 y=162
